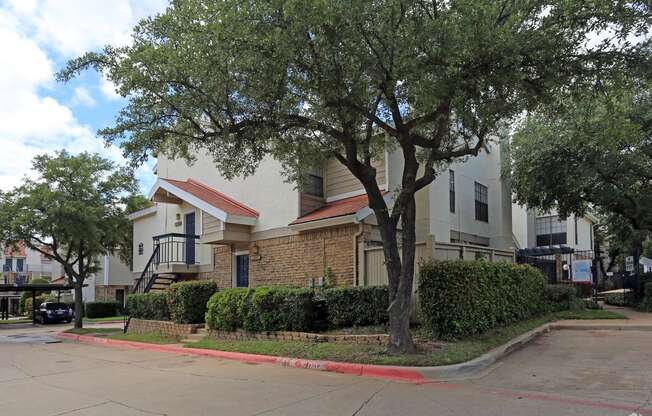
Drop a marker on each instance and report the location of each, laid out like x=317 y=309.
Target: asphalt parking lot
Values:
x=561 y=373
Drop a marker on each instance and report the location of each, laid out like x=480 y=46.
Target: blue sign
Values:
x=582 y=271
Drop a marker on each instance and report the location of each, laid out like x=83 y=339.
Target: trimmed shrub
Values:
x=619 y=298
x=356 y=306
x=646 y=303
x=152 y=305
x=226 y=309
x=101 y=309
x=187 y=300
x=279 y=309
x=261 y=309
x=561 y=297
x=458 y=298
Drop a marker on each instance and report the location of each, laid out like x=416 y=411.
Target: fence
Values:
x=373 y=271
x=557 y=267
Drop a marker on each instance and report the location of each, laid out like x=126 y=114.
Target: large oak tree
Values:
x=303 y=81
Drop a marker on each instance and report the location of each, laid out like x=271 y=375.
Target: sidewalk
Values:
x=637 y=321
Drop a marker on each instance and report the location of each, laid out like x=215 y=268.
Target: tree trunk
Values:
x=79 y=303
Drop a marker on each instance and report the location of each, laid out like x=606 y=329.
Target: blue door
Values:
x=242 y=270
x=190 y=238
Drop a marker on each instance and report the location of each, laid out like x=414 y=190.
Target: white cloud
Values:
x=108 y=89
x=83 y=96
x=35 y=33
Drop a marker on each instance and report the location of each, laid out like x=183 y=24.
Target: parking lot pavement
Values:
x=565 y=372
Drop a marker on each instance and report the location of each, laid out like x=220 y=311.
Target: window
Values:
x=8 y=264
x=577 y=240
x=313 y=185
x=550 y=231
x=20 y=264
x=481 y=202
x=451 y=190
x=141 y=249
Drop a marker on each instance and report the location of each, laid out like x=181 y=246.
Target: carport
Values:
x=33 y=289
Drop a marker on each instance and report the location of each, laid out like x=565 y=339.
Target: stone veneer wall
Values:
x=164 y=328
x=289 y=260
x=376 y=339
x=107 y=293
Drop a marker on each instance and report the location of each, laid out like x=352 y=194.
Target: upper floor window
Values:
x=20 y=265
x=481 y=202
x=451 y=190
x=141 y=249
x=550 y=231
x=313 y=185
x=8 y=264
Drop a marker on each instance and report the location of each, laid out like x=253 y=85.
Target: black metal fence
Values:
x=558 y=268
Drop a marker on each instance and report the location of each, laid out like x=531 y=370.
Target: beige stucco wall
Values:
x=525 y=228
x=265 y=191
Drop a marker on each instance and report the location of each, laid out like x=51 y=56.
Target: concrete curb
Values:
x=415 y=375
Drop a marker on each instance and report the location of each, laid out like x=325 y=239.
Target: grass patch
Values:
x=451 y=353
x=589 y=314
x=15 y=321
x=107 y=319
x=94 y=331
x=149 y=338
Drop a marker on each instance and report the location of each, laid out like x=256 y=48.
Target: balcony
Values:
x=177 y=253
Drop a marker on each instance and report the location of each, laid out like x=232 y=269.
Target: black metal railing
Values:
x=148 y=276
x=176 y=248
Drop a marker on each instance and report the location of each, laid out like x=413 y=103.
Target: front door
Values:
x=190 y=238
x=242 y=270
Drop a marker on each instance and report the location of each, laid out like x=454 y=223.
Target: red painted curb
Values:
x=405 y=374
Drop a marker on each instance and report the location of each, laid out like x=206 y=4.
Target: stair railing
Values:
x=148 y=276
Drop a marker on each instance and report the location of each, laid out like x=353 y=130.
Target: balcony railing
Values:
x=15 y=278
x=175 y=248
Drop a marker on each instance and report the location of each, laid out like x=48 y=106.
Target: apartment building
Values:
x=261 y=230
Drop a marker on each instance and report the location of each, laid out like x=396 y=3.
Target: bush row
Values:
x=261 y=309
x=560 y=297
x=102 y=309
x=183 y=302
x=460 y=298
x=291 y=309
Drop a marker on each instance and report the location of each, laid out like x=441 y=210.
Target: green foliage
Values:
x=101 y=309
x=619 y=298
x=561 y=296
x=356 y=306
x=152 y=305
x=646 y=303
x=72 y=213
x=187 y=300
x=261 y=309
x=227 y=308
x=598 y=146
x=458 y=298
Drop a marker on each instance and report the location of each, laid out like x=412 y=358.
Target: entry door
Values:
x=242 y=270
x=120 y=297
x=190 y=238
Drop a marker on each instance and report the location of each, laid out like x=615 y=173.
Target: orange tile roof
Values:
x=213 y=197
x=59 y=281
x=10 y=251
x=339 y=208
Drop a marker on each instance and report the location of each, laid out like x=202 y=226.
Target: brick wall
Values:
x=164 y=328
x=287 y=260
x=107 y=293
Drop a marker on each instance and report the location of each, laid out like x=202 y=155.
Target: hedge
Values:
x=458 y=298
x=561 y=296
x=646 y=302
x=619 y=298
x=261 y=309
x=187 y=300
x=356 y=306
x=226 y=309
x=101 y=309
x=152 y=305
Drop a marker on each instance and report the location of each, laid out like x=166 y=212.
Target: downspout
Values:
x=356 y=279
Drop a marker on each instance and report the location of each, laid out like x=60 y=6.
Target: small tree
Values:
x=71 y=213
x=307 y=81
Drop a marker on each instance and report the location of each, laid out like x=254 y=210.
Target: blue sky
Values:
x=38 y=114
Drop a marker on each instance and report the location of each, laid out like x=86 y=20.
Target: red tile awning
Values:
x=204 y=197
x=339 y=208
x=16 y=251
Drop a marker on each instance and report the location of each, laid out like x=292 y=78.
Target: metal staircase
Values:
x=149 y=276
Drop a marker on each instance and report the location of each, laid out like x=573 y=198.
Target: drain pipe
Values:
x=356 y=258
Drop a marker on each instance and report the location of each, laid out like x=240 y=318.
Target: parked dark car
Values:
x=50 y=312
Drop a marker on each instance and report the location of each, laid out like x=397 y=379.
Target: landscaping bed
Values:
x=117 y=333
x=450 y=352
